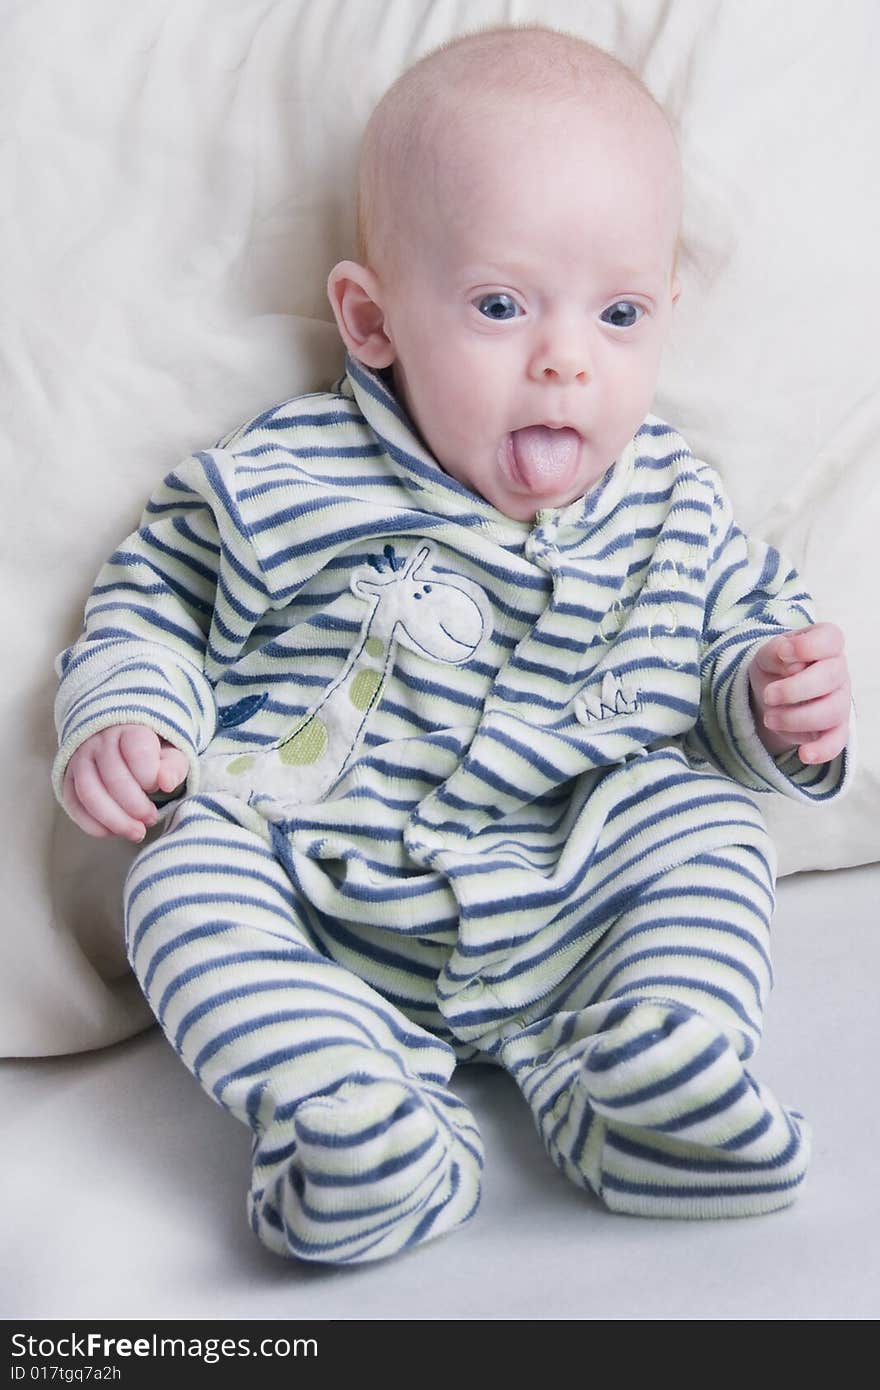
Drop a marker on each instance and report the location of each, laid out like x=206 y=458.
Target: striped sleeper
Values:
x=461 y=788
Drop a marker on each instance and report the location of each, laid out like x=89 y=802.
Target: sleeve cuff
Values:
x=785 y=773
x=176 y=704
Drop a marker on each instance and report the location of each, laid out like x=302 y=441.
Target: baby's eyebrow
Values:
x=632 y=277
x=618 y=277
x=488 y=272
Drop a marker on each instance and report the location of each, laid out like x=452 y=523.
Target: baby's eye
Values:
x=623 y=314
x=497 y=306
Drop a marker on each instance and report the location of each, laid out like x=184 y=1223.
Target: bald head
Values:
x=436 y=111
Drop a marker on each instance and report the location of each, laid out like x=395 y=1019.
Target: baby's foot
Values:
x=376 y=1166
x=658 y=1116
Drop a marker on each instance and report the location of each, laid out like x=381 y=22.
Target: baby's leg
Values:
x=359 y=1148
x=635 y=1074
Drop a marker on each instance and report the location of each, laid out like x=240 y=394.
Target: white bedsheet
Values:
x=137 y=1211
x=177 y=179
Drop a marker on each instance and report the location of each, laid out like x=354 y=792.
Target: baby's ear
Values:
x=355 y=298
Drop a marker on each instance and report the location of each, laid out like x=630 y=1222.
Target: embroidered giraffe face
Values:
x=440 y=618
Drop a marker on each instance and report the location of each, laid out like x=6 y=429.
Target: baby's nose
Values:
x=561 y=358
x=564 y=372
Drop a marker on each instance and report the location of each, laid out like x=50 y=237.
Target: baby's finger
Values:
x=777 y=657
x=140 y=749
x=173 y=768
x=824 y=747
x=78 y=813
x=820 y=678
x=118 y=779
x=816 y=643
x=98 y=802
x=826 y=713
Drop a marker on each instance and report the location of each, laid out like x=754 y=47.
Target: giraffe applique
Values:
x=444 y=618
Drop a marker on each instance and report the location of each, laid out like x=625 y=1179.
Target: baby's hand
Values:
x=801 y=693
x=108 y=777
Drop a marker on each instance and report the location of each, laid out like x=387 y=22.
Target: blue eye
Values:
x=623 y=314
x=497 y=306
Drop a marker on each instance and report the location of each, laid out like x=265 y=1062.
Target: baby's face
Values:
x=528 y=313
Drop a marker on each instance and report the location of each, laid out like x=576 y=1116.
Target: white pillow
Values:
x=179 y=184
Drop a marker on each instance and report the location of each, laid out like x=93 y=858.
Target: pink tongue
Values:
x=544 y=456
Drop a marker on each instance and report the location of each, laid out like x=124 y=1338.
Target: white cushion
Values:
x=179 y=183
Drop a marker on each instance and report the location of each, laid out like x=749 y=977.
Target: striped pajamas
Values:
x=461 y=788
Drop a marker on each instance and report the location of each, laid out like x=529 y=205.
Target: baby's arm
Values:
x=170 y=608
x=108 y=778
x=754 y=602
x=800 y=692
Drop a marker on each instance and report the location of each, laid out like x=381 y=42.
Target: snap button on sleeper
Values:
x=512 y=1029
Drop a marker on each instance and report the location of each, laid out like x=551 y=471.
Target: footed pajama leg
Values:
x=359 y=1149
x=635 y=1071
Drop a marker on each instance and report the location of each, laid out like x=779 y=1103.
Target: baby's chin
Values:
x=527 y=508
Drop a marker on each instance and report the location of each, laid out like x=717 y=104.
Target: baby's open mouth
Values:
x=541 y=459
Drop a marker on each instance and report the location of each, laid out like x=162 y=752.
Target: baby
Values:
x=456 y=674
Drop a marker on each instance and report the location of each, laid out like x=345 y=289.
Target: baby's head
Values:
x=519 y=204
